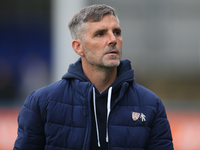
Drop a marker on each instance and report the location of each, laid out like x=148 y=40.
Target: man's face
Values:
x=102 y=45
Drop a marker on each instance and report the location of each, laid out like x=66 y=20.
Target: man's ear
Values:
x=77 y=46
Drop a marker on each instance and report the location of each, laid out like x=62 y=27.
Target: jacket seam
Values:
x=66 y=125
x=136 y=105
x=27 y=132
x=51 y=100
x=59 y=147
x=128 y=147
x=130 y=126
x=31 y=109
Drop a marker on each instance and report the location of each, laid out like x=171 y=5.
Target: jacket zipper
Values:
x=88 y=117
x=124 y=88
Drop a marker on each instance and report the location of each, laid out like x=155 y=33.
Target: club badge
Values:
x=135 y=116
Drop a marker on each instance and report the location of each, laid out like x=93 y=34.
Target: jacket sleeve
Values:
x=160 y=137
x=30 y=127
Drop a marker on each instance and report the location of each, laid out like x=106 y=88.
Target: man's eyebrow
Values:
x=117 y=29
x=99 y=31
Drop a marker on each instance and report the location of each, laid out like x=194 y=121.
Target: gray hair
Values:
x=93 y=13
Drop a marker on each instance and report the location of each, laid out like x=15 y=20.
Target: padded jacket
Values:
x=58 y=116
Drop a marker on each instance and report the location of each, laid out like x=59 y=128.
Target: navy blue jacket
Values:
x=58 y=116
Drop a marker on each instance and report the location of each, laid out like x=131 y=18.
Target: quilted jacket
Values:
x=58 y=116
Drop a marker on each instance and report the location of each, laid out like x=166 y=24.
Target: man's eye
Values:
x=117 y=32
x=100 y=34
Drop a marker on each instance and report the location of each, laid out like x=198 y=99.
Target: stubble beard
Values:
x=103 y=63
x=110 y=65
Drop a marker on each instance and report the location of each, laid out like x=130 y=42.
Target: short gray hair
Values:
x=93 y=13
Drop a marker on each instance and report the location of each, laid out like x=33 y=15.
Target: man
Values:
x=97 y=104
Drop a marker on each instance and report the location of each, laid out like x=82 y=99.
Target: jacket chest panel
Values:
x=132 y=115
x=131 y=125
x=66 y=114
x=63 y=122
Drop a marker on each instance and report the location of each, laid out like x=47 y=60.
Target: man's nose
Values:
x=112 y=39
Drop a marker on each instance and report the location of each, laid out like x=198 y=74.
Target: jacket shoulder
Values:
x=51 y=92
x=146 y=96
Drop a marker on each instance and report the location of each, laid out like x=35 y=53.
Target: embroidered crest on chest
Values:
x=136 y=116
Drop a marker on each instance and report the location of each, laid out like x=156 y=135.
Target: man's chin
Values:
x=112 y=63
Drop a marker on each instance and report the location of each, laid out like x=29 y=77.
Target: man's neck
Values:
x=102 y=78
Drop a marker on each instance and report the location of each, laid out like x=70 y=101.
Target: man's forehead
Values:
x=105 y=22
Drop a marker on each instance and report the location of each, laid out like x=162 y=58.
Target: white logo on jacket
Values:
x=136 y=116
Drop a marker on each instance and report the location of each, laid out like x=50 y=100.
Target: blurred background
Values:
x=161 y=38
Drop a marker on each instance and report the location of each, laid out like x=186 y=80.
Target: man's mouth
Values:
x=113 y=52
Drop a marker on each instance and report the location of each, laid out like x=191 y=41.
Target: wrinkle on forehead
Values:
x=103 y=23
